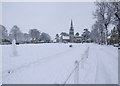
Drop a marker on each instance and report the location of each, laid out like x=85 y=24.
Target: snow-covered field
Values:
x=53 y=63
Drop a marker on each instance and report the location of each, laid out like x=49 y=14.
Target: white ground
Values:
x=53 y=63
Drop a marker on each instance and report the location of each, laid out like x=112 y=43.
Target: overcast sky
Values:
x=49 y=17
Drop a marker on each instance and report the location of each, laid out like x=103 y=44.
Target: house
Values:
x=113 y=38
x=78 y=39
x=65 y=39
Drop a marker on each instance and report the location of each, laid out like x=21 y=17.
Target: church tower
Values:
x=71 y=32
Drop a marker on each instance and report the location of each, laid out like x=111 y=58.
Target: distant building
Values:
x=113 y=38
x=65 y=37
x=78 y=39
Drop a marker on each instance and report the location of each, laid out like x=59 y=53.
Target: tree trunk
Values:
x=106 y=34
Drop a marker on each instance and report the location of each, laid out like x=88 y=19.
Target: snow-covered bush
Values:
x=34 y=34
x=16 y=34
x=4 y=38
x=45 y=37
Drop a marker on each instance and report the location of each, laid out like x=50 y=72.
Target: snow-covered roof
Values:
x=78 y=37
x=108 y=37
x=65 y=37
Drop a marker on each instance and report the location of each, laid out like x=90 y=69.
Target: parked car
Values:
x=116 y=45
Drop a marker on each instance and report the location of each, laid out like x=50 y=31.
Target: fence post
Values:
x=76 y=74
x=87 y=51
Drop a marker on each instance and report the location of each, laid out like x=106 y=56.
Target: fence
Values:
x=76 y=68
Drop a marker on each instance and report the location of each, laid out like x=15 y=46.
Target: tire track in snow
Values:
x=89 y=71
x=103 y=75
x=108 y=52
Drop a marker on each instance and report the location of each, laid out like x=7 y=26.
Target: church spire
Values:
x=71 y=23
x=71 y=32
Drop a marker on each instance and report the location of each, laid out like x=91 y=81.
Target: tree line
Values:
x=33 y=36
x=105 y=16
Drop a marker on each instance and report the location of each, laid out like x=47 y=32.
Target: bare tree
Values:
x=97 y=33
x=105 y=16
x=57 y=37
x=86 y=35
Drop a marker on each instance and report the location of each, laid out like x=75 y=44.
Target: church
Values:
x=71 y=37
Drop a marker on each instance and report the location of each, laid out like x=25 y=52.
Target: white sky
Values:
x=49 y=17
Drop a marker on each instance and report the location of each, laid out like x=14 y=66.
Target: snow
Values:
x=14 y=48
x=66 y=37
x=52 y=63
x=0 y=65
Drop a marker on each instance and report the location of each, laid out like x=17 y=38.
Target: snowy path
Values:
x=106 y=68
x=51 y=64
x=106 y=65
x=101 y=66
